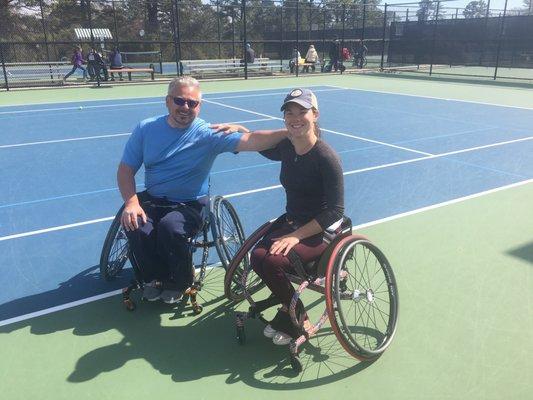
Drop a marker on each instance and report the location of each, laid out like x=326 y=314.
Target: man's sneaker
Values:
x=152 y=291
x=269 y=332
x=281 y=339
x=171 y=296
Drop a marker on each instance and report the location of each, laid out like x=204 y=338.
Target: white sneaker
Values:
x=281 y=339
x=269 y=332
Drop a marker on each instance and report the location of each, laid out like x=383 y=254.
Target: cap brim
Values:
x=303 y=103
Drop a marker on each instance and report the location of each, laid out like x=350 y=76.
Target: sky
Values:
x=494 y=4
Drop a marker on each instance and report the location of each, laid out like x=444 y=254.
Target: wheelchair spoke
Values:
x=365 y=308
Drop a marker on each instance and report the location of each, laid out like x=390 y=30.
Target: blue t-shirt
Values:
x=177 y=161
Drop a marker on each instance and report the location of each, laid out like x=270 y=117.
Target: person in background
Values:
x=311 y=58
x=250 y=54
x=334 y=53
x=77 y=63
x=360 y=51
x=295 y=59
x=115 y=62
x=95 y=64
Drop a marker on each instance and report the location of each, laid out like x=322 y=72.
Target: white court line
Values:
x=5 y=146
x=356 y=171
x=431 y=97
x=160 y=101
x=357 y=227
x=323 y=129
x=271 y=94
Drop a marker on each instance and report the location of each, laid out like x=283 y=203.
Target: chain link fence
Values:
x=209 y=39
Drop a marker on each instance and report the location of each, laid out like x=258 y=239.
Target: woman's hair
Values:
x=316 y=130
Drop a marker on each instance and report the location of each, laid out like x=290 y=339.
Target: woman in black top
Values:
x=311 y=175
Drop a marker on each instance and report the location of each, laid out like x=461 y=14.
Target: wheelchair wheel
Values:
x=229 y=235
x=361 y=297
x=115 y=251
x=234 y=287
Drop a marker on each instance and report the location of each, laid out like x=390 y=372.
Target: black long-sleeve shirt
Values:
x=313 y=182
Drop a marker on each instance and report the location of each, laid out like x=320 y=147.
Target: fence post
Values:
x=244 y=38
x=484 y=45
x=173 y=9
x=90 y=17
x=115 y=25
x=233 y=29
x=383 y=40
x=364 y=21
x=297 y=64
x=343 y=35
x=502 y=26
x=324 y=37
x=3 y=65
x=281 y=38
x=218 y=28
x=434 y=38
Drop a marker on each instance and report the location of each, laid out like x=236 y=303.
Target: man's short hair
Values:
x=184 y=81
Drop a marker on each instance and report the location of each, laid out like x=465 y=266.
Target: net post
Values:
x=502 y=25
x=383 y=39
x=433 y=40
x=324 y=36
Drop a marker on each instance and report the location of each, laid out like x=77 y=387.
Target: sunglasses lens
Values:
x=181 y=102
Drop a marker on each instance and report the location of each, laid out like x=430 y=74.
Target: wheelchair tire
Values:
x=233 y=285
x=361 y=297
x=115 y=251
x=229 y=235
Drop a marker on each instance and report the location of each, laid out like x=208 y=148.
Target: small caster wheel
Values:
x=241 y=336
x=197 y=309
x=130 y=305
x=296 y=365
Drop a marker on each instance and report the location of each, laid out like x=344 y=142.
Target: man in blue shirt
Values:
x=178 y=151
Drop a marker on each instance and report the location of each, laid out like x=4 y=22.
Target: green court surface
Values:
x=465 y=276
x=484 y=92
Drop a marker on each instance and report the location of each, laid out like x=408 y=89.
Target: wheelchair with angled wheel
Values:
x=220 y=228
x=355 y=278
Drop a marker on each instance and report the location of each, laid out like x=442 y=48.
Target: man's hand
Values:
x=283 y=245
x=130 y=215
x=227 y=129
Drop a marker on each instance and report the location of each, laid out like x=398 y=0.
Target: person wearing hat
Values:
x=310 y=58
x=250 y=54
x=311 y=175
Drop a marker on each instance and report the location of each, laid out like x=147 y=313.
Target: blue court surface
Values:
x=400 y=153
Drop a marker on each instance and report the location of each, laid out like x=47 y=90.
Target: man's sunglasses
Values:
x=180 y=101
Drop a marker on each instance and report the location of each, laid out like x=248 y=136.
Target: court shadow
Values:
x=85 y=284
x=187 y=348
x=524 y=252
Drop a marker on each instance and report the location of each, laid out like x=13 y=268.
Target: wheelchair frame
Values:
x=217 y=215
x=331 y=275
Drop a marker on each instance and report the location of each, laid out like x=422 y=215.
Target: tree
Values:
x=475 y=9
x=427 y=11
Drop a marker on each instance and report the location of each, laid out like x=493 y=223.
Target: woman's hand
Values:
x=227 y=129
x=283 y=245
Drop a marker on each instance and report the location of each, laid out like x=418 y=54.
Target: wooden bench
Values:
x=129 y=71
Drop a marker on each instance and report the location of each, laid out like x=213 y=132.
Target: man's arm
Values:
x=132 y=208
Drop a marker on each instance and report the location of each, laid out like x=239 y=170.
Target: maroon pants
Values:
x=271 y=268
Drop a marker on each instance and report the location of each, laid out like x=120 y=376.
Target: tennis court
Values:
x=438 y=175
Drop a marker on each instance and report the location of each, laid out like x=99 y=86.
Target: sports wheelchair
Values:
x=358 y=283
x=218 y=216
